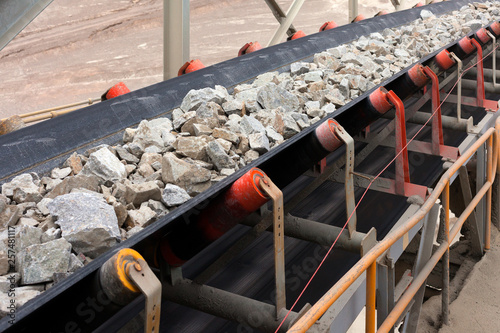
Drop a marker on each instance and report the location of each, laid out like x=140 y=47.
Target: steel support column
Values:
x=287 y=22
x=175 y=36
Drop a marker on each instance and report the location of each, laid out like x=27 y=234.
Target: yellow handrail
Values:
x=491 y=136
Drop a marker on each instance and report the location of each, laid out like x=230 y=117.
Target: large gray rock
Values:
x=181 y=173
x=125 y=155
x=37 y=263
x=174 y=195
x=272 y=96
x=23 y=295
x=219 y=157
x=105 y=165
x=87 y=222
x=290 y=127
x=150 y=134
x=192 y=146
x=10 y=216
x=226 y=135
x=195 y=98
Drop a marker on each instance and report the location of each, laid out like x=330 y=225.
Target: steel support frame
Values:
x=280 y=15
x=286 y=23
x=175 y=36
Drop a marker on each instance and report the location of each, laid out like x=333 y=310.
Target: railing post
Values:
x=371 y=288
x=445 y=225
x=489 y=177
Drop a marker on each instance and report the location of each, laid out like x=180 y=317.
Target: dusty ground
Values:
x=76 y=50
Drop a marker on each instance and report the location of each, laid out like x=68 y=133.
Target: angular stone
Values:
x=60 y=173
x=157 y=207
x=274 y=136
x=27 y=221
x=87 y=222
x=74 y=263
x=126 y=156
x=141 y=217
x=128 y=135
x=4 y=263
x=191 y=146
x=474 y=24
x=299 y=67
x=195 y=189
x=195 y=98
x=23 y=295
x=226 y=145
x=249 y=94
x=344 y=87
x=201 y=129
x=252 y=106
x=218 y=156
x=148 y=135
x=27 y=236
x=251 y=125
x=233 y=106
x=290 y=127
x=10 y=216
x=182 y=119
x=134 y=231
x=121 y=212
x=139 y=193
x=259 y=142
x=174 y=195
x=9 y=281
x=37 y=263
x=206 y=114
x=251 y=155
x=105 y=165
x=226 y=135
x=313 y=76
x=181 y=173
x=50 y=235
x=22 y=188
x=272 y=96
x=335 y=97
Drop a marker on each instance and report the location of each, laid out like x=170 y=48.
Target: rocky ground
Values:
x=58 y=222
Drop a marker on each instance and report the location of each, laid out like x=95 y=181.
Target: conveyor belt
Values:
x=44 y=145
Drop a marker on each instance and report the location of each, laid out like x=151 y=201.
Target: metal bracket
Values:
x=349 y=178
x=480 y=92
x=150 y=286
x=276 y=195
x=494 y=58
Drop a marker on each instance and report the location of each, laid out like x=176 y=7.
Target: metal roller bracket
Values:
x=150 y=286
x=279 y=240
x=349 y=178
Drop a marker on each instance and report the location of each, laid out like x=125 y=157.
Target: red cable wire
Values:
x=370 y=184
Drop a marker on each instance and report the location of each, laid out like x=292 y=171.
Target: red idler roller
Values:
x=382 y=12
x=223 y=213
x=417 y=75
x=466 y=45
x=118 y=89
x=249 y=48
x=495 y=28
x=358 y=18
x=379 y=101
x=326 y=135
x=482 y=35
x=419 y=4
x=296 y=35
x=190 y=66
x=328 y=25
x=444 y=60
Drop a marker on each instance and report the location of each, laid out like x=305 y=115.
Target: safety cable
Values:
x=373 y=180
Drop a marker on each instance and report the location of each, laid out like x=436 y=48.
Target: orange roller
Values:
x=419 y=4
x=482 y=35
x=328 y=25
x=495 y=28
x=191 y=66
x=417 y=75
x=379 y=101
x=249 y=48
x=358 y=18
x=118 y=89
x=326 y=135
x=443 y=60
x=296 y=35
x=382 y=12
x=466 y=45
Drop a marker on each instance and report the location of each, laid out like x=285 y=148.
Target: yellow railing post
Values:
x=371 y=289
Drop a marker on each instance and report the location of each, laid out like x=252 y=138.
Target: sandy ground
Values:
x=76 y=50
x=477 y=308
